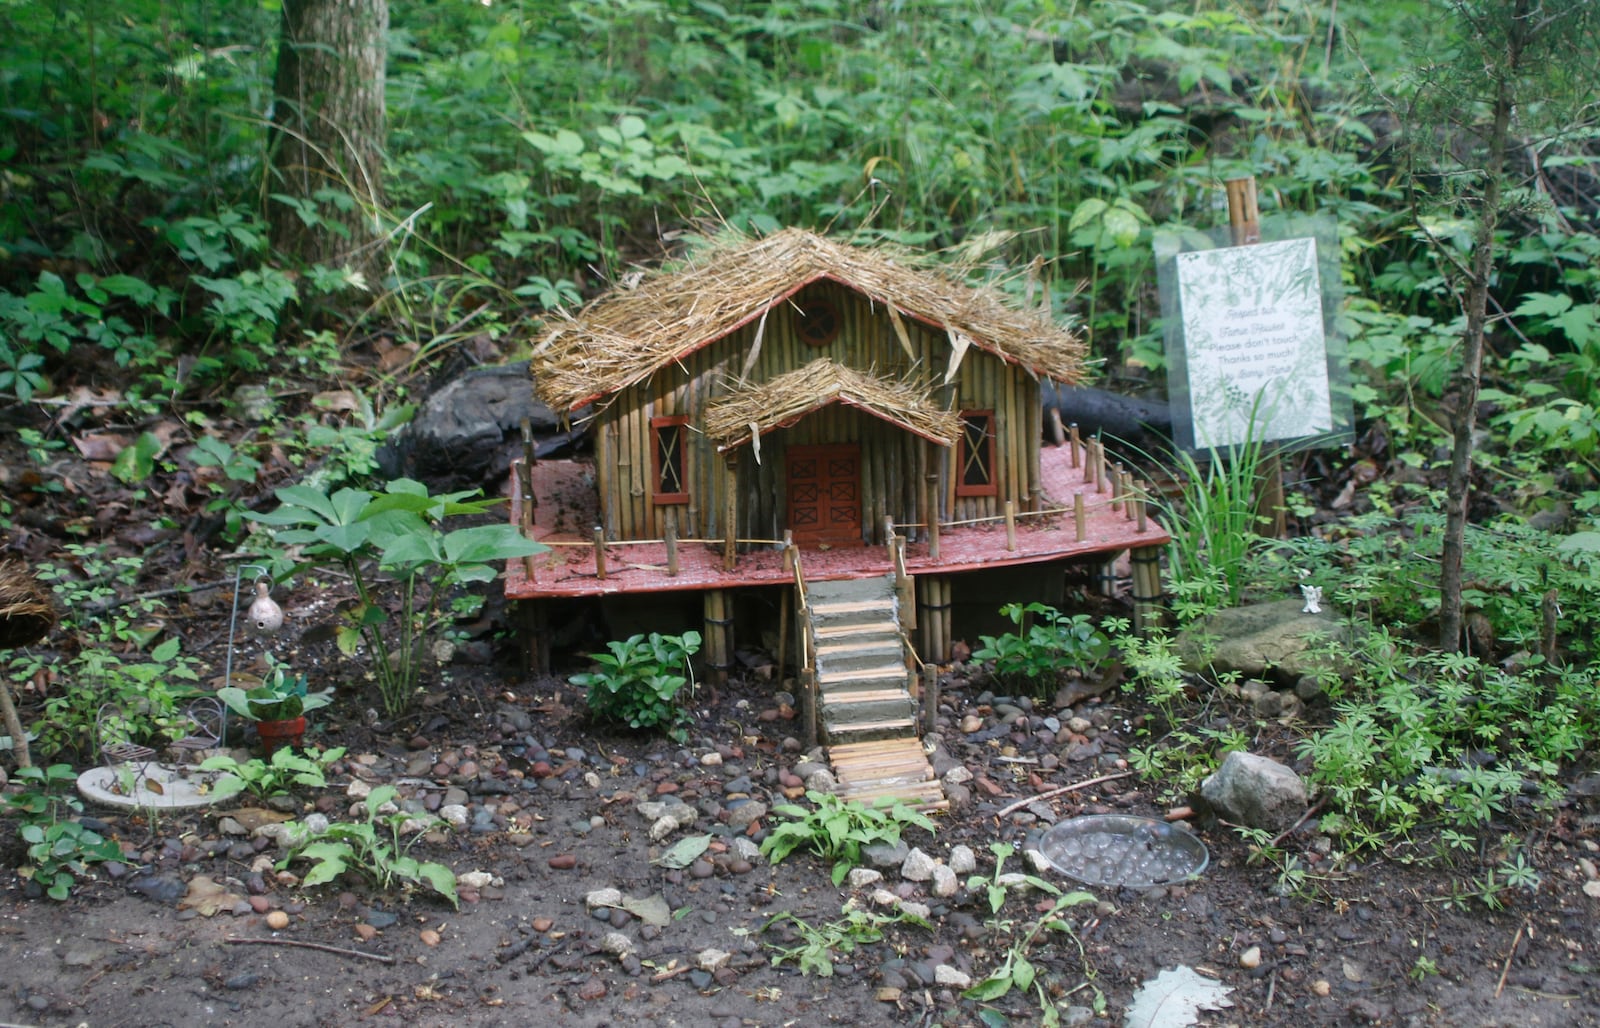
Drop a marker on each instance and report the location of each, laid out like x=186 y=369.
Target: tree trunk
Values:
x=1469 y=375
x=328 y=132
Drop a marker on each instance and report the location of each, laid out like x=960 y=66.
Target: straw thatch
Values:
x=745 y=414
x=26 y=613
x=628 y=334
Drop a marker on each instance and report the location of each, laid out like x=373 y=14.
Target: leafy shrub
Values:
x=836 y=829
x=59 y=849
x=285 y=771
x=639 y=682
x=400 y=531
x=1055 y=643
x=375 y=848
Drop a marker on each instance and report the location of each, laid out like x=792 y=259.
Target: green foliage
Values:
x=281 y=696
x=1052 y=644
x=1017 y=972
x=376 y=848
x=836 y=829
x=58 y=848
x=639 y=681
x=820 y=945
x=400 y=531
x=283 y=773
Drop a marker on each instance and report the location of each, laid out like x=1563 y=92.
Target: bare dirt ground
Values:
x=558 y=808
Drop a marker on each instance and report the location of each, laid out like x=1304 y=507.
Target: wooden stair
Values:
x=868 y=715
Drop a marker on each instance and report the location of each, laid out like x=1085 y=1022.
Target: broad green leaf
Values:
x=136 y=461
x=685 y=851
x=991 y=988
x=442 y=879
x=485 y=543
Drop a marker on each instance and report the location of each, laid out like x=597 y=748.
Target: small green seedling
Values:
x=837 y=829
x=374 y=848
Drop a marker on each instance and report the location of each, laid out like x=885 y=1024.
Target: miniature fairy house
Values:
x=819 y=384
x=794 y=400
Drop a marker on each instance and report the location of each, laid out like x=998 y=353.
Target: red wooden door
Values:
x=824 y=486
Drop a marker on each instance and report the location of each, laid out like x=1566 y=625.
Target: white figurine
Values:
x=1313 y=595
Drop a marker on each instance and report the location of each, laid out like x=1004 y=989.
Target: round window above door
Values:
x=816 y=322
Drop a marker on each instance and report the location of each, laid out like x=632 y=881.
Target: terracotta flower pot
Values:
x=277 y=734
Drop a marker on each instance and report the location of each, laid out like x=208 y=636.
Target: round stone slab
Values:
x=129 y=787
x=1118 y=849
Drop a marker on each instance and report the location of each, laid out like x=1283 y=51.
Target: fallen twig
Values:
x=1051 y=793
x=1303 y=819
x=324 y=947
x=1510 y=956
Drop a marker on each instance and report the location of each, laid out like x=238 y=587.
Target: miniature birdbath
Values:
x=1121 y=850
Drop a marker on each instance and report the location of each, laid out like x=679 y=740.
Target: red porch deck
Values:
x=566 y=513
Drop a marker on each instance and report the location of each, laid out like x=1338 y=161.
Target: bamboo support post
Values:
x=785 y=603
x=719 y=636
x=599 y=553
x=1146 y=561
x=1080 y=517
x=930 y=698
x=908 y=589
x=534 y=630
x=1011 y=526
x=672 y=541
x=932 y=503
x=1058 y=431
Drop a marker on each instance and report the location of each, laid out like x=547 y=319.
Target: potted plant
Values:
x=277 y=707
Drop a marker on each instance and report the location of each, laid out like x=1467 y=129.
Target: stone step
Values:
x=860 y=731
x=894 y=676
x=866 y=705
x=881 y=625
x=860 y=653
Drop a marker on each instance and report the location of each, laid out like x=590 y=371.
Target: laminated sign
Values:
x=1254 y=349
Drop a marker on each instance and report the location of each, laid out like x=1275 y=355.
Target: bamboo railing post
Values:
x=1088 y=459
x=788 y=550
x=525 y=487
x=888 y=535
x=930 y=697
x=1144 y=522
x=932 y=516
x=1080 y=517
x=808 y=708
x=1011 y=526
x=908 y=588
x=1076 y=444
x=672 y=542
x=599 y=553
x=1058 y=431
x=730 y=513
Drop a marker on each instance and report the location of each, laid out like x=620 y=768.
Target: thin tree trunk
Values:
x=1458 y=490
x=328 y=131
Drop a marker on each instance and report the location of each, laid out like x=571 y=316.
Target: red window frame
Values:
x=659 y=467
x=979 y=457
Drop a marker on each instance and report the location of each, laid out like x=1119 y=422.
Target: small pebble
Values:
x=277 y=920
x=1250 y=958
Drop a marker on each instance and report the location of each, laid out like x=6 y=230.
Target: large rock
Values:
x=1259 y=641
x=1255 y=791
x=468 y=432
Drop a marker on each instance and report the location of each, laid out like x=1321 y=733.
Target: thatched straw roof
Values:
x=628 y=334
x=26 y=613
x=745 y=415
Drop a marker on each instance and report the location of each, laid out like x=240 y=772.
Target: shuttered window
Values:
x=670 y=436
x=975 y=455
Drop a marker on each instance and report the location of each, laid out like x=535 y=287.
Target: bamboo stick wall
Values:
x=893 y=462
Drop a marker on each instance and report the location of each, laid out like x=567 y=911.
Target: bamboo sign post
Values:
x=1244 y=223
x=1251 y=350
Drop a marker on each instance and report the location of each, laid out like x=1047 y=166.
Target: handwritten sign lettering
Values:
x=1253 y=342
